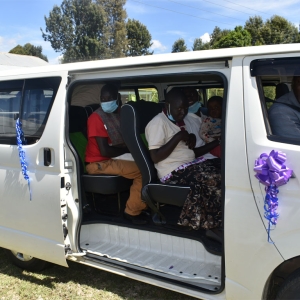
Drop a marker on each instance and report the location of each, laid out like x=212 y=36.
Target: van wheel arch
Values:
x=26 y=262
x=280 y=277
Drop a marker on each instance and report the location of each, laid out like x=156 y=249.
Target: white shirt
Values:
x=160 y=130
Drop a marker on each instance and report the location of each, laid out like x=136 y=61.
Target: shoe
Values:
x=138 y=220
x=214 y=234
x=146 y=212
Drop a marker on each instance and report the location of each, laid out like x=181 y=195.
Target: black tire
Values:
x=290 y=289
x=26 y=262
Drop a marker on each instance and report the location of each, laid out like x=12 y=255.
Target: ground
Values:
x=74 y=283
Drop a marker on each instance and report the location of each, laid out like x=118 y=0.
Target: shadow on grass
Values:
x=82 y=275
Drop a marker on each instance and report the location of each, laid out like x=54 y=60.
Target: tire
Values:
x=26 y=262
x=290 y=289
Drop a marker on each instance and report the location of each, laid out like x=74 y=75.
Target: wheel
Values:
x=26 y=262
x=290 y=289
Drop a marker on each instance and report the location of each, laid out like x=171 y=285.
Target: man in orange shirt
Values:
x=105 y=151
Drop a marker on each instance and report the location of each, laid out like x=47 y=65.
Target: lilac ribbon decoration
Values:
x=20 y=138
x=272 y=172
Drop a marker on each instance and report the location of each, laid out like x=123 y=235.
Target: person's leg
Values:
x=202 y=207
x=127 y=169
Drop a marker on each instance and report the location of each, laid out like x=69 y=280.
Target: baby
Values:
x=211 y=126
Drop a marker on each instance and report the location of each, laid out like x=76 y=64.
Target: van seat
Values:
x=134 y=118
x=100 y=184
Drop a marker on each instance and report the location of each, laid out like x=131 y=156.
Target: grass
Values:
x=74 y=283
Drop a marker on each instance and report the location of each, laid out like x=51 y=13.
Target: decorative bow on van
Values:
x=272 y=172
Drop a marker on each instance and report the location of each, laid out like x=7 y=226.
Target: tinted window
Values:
x=280 y=101
x=31 y=100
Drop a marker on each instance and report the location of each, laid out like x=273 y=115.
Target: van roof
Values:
x=158 y=59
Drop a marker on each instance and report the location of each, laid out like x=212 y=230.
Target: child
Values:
x=211 y=126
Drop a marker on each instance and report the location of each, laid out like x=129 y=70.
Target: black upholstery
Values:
x=102 y=184
x=134 y=118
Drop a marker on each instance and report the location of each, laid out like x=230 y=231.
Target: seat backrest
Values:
x=78 y=116
x=281 y=89
x=134 y=118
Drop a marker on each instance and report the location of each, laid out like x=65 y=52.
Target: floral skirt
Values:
x=202 y=207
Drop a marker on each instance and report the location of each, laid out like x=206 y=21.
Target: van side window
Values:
x=31 y=101
x=278 y=82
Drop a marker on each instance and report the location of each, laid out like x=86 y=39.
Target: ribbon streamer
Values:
x=272 y=172
x=20 y=138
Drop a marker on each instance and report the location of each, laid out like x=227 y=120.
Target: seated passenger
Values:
x=172 y=149
x=193 y=98
x=105 y=150
x=284 y=114
x=211 y=125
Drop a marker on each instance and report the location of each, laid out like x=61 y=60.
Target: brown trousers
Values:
x=127 y=169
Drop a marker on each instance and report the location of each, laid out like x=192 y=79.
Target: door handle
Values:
x=47 y=157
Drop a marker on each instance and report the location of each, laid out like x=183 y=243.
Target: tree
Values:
x=138 y=39
x=29 y=49
x=179 y=46
x=115 y=27
x=87 y=29
x=200 y=45
x=239 y=37
x=278 y=30
x=216 y=35
x=254 y=26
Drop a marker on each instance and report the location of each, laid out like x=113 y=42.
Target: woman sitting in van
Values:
x=172 y=149
x=211 y=125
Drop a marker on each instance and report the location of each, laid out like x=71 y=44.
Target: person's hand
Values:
x=191 y=143
x=183 y=135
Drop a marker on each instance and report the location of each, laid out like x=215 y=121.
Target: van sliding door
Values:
x=30 y=207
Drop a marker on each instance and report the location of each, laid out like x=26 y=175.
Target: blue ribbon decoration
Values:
x=20 y=138
x=272 y=172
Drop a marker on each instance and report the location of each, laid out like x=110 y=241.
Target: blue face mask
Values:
x=194 y=108
x=170 y=117
x=109 y=106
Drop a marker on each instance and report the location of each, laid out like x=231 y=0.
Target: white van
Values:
x=64 y=214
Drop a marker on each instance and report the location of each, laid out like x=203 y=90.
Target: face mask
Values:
x=109 y=106
x=170 y=117
x=194 y=108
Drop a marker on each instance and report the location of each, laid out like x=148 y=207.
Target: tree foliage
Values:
x=138 y=39
x=238 y=37
x=179 y=46
x=115 y=27
x=29 y=49
x=87 y=29
x=200 y=45
x=276 y=30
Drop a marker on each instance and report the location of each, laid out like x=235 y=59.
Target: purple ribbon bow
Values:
x=272 y=172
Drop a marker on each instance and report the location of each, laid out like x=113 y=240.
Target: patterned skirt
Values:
x=202 y=207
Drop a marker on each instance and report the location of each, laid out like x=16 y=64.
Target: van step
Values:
x=181 y=258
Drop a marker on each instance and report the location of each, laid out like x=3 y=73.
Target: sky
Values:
x=166 y=20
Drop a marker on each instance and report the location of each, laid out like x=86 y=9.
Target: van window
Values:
x=31 y=100
x=280 y=107
x=148 y=94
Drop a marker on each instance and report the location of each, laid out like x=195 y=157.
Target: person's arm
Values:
x=206 y=148
x=109 y=151
x=164 y=151
x=284 y=121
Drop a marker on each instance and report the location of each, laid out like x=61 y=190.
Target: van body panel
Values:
x=38 y=219
x=246 y=246
x=287 y=230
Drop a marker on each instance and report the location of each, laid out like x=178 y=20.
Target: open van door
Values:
x=31 y=214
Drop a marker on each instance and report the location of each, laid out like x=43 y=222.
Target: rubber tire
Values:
x=33 y=264
x=290 y=289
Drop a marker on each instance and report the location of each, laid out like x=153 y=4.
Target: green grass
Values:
x=73 y=283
